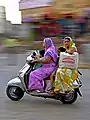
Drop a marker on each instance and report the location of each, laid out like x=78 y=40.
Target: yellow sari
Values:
x=65 y=77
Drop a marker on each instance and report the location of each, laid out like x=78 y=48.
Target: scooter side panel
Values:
x=16 y=82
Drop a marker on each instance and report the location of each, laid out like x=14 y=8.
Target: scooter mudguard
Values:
x=16 y=82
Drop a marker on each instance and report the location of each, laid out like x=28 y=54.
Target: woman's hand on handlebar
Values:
x=35 y=61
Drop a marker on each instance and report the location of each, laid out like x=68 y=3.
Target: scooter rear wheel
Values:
x=69 y=98
x=15 y=93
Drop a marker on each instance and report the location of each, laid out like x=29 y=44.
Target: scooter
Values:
x=16 y=87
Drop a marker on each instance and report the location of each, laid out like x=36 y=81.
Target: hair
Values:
x=34 y=54
x=62 y=49
x=42 y=52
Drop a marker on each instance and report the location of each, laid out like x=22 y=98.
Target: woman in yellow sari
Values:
x=66 y=76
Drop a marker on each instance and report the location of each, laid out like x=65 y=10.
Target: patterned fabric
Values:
x=65 y=78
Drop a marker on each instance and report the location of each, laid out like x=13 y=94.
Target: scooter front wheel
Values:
x=15 y=93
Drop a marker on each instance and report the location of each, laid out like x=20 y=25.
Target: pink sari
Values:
x=36 y=77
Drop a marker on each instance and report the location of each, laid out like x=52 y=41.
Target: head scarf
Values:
x=48 y=43
x=50 y=49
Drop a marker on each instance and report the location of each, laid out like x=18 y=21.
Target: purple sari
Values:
x=37 y=76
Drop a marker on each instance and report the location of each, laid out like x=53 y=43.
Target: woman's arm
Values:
x=46 y=60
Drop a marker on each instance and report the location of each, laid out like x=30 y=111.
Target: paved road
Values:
x=30 y=108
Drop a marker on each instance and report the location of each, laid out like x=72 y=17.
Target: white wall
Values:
x=2 y=19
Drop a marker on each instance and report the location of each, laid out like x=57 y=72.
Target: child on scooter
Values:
x=41 y=55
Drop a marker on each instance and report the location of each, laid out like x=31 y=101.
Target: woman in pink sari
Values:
x=49 y=62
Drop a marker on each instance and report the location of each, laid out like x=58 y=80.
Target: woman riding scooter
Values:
x=66 y=74
x=49 y=62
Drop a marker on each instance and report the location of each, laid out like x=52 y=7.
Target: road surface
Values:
x=31 y=108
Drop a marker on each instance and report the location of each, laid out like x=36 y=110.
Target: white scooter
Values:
x=16 y=87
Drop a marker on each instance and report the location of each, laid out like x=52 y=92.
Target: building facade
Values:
x=2 y=19
x=39 y=11
x=34 y=9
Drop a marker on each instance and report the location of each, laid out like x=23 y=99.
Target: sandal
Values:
x=50 y=91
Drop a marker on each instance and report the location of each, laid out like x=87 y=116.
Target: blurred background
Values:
x=40 y=19
x=23 y=26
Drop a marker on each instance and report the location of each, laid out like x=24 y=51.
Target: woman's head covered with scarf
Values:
x=68 y=42
x=48 y=43
x=50 y=48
